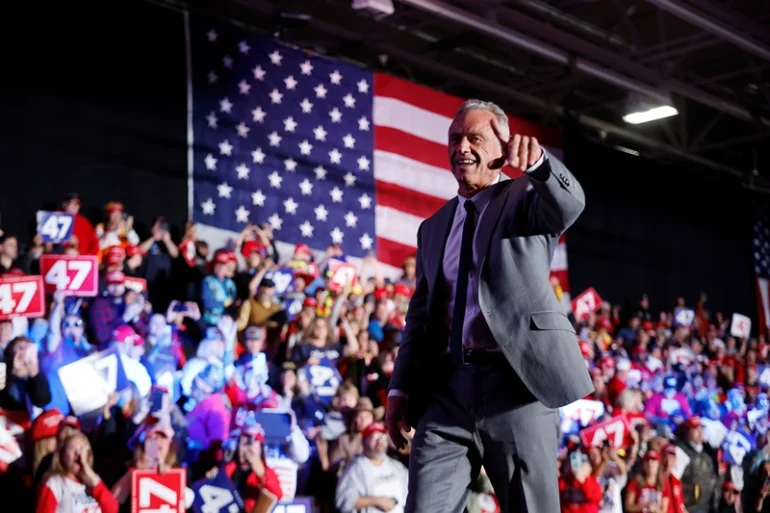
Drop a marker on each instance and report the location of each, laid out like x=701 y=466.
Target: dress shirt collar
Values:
x=482 y=198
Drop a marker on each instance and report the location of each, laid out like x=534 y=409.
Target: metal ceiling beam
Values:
x=606 y=73
x=704 y=23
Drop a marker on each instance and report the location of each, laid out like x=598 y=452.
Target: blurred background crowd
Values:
x=273 y=370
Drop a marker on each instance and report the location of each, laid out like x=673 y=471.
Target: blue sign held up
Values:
x=55 y=227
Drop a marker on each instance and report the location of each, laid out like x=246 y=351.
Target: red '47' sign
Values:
x=616 y=430
x=152 y=492
x=21 y=296
x=74 y=275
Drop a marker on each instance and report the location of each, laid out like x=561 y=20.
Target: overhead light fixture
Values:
x=645 y=116
x=643 y=109
x=377 y=8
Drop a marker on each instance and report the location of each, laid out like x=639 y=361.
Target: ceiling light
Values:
x=644 y=116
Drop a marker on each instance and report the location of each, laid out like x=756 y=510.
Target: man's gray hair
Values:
x=495 y=109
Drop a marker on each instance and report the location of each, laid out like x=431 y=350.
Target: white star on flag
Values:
x=290 y=164
x=363 y=124
x=208 y=207
x=363 y=163
x=349 y=141
x=320 y=173
x=212 y=120
x=320 y=133
x=305 y=147
x=366 y=241
x=211 y=162
x=212 y=35
x=335 y=78
x=227 y=61
x=275 y=179
x=224 y=190
x=290 y=83
x=225 y=105
x=244 y=47
x=291 y=206
x=258 y=115
x=335 y=156
x=307 y=229
x=289 y=124
x=320 y=91
x=257 y=156
x=242 y=215
x=275 y=221
x=363 y=86
x=306 y=106
x=350 y=179
x=243 y=171
x=244 y=87
x=336 y=115
x=350 y=220
x=306 y=187
x=275 y=96
x=365 y=201
x=275 y=57
x=337 y=235
x=259 y=73
x=349 y=100
x=320 y=213
x=275 y=139
x=243 y=130
x=306 y=68
x=336 y=195
x=225 y=148
x=258 y=199
x=213 y=77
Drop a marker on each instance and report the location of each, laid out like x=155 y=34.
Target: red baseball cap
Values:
x=46 y=425
x=372 y=429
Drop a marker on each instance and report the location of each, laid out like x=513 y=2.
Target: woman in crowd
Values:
x=24 y=381
x=73 y=486
x=646 y=492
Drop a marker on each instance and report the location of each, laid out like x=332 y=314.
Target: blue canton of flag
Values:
x=283 y=137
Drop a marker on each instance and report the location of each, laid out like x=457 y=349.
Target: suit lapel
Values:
x=437 y=236
x=489 y=220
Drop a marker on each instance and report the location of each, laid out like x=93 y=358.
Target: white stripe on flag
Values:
x=764 y=293
x=559 y=262
x=411 y=119
x=397 y=226
x=411 y=174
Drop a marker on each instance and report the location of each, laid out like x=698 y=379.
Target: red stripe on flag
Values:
x=447 y=105
x=393 y=253
x=406 y=200
x=410 y=146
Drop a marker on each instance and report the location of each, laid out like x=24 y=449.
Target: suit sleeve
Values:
x=414 y=329
x=555 y=200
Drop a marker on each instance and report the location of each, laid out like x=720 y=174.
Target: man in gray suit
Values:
x=488 y=353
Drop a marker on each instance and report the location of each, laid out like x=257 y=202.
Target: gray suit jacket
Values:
x=517 y=237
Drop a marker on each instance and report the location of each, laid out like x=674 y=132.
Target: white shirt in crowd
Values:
x=612 y=482
x=364 y=479
x=71 y=495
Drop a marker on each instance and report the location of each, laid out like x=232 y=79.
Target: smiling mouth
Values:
x=465 y=162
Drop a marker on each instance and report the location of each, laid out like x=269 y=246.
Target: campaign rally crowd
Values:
x=164 y=375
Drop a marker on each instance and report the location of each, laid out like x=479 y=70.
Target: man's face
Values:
x=72 y=327
x=475 y=151
x=256 y=344
x=376 y=444
x=10 y=248
x=116 y=289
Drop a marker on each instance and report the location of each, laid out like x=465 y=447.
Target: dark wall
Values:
x=663 y=229
x=92 y=96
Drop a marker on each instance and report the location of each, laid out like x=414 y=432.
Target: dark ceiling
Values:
x=577 y=59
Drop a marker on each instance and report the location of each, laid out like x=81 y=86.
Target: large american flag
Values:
x=762 y=266
x=325 y=151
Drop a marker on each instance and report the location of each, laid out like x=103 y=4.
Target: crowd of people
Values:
x=272 y=371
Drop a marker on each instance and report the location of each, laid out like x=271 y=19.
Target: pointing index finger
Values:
x=497 y=129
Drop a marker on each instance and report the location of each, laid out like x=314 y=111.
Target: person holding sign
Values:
x=488 y=352
x=73 y=486
x=23 y=377
x=647 y=492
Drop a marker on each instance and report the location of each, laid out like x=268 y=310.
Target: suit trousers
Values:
x=484 y=416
